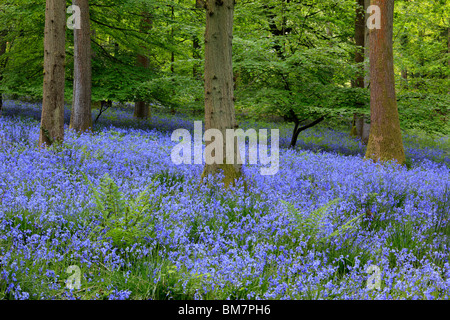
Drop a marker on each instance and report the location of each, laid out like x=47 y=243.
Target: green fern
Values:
x=312 y=225
x=126 y=221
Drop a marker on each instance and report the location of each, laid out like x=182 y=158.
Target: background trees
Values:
x=292 y=60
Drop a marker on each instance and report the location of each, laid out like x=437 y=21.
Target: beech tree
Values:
x=385 y=139
x=219 y=96
x=52 y=119
x=81 y=115
x=2 y=64
x=141 y=108
x=360 y=26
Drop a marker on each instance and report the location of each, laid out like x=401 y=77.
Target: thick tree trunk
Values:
x=52 y=119
x=385 y=140
x=81 y=115
x=219 y=98
x=141 y=108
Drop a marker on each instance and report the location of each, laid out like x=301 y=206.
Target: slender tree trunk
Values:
x=362 y=125
x=385 y=140
x=360 y=28
x=81 y=116
x=141 y=108
x=52 y=119
x=196 y=55
x=404 y=71
x=366 y=46
x=2 y=66
x=172 y=56
x=219 y=98
x=196 y=47
x=297 y=130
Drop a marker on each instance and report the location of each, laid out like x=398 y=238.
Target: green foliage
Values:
x=126 y=221
x=312 y=225
x=288 y=56
x=426 y=112
x=174 y=92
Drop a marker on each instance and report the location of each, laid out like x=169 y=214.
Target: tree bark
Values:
x=385 y=140
x=196 y=55
x=52 y=119
x=360 y=127
x=297 y=130
x=81 y=115
x=219 y=98
x=2 y=66
x=197 y=74
x=360 y=28
x=141 y=108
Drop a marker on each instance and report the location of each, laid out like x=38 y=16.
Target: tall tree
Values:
x=196 y=73
x=385 y=140
x=52 y=119
x=2 y=65
x=141 y=108
x=360 y=126
x=81 y=115
x=219 y=96
x=360 y=28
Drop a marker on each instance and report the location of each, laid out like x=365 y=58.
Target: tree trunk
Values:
x=219 y=98
x=360 y=127
x=81 y=115
x=297 y=130
x=365 y=126
x=196 y=55
x=366 y=47
x=385 y=140
x=141 y=108
x=172 y=54
x=360 y=28
x=404 y=71
x=52 y=118
x=196 y=48
x=2 y=66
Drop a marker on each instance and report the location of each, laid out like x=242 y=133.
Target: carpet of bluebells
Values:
x=139 y=227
